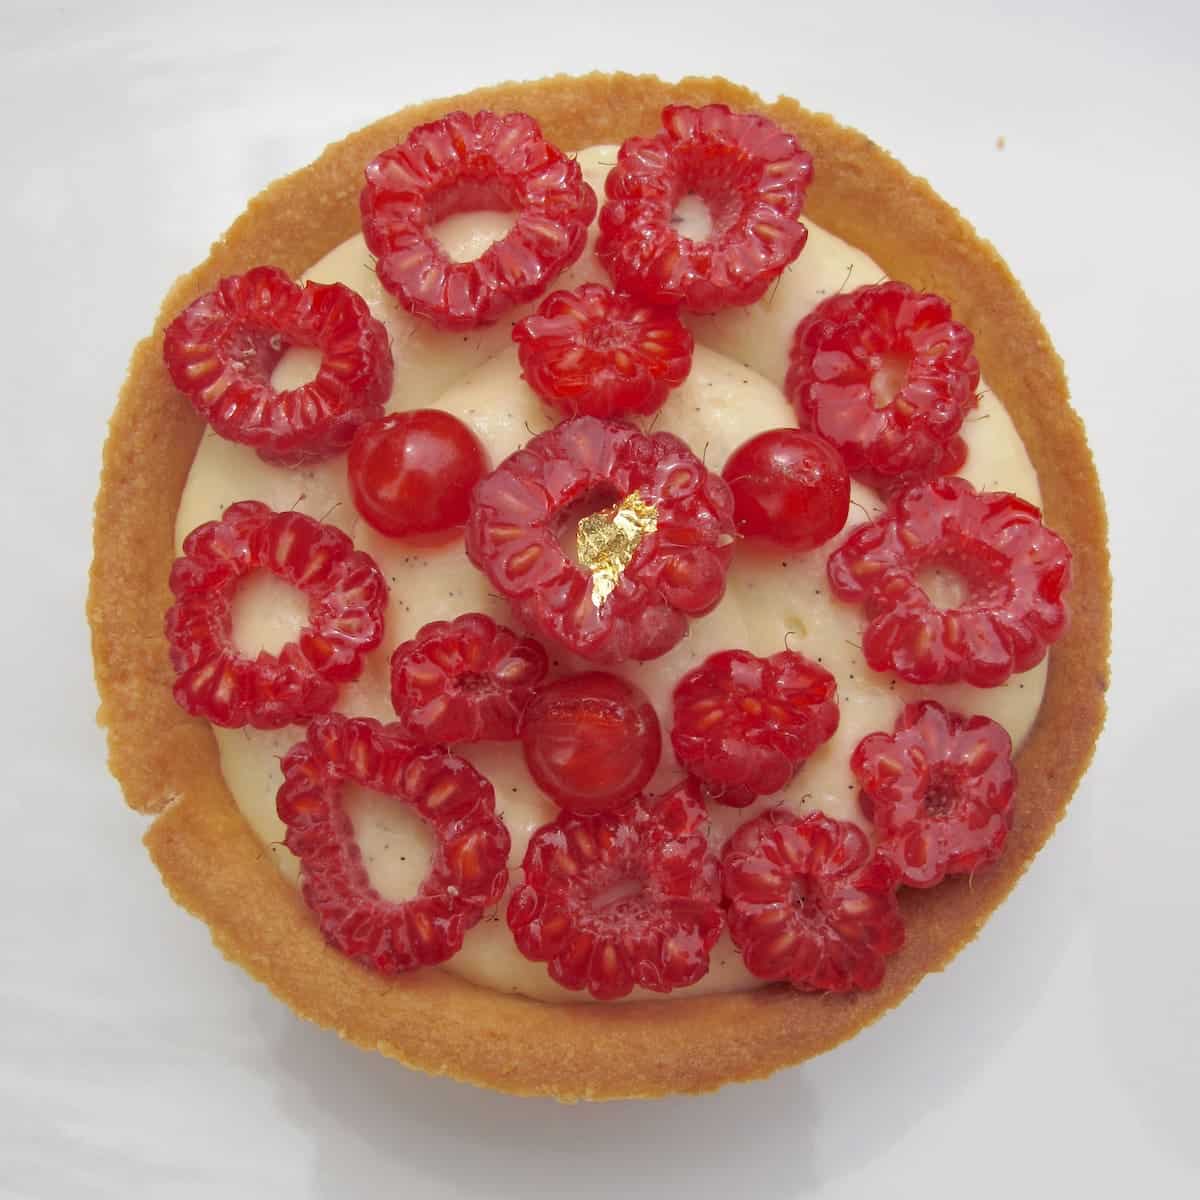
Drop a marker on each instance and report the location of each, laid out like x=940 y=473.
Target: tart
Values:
x=212 y=862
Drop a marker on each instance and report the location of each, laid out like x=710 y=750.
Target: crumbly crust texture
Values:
x=167 y=763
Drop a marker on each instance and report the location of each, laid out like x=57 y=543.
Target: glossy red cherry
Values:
x=412 y=472
x=790 y=486
x=591 y=741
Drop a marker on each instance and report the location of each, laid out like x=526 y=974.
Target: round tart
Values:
x=168 y=763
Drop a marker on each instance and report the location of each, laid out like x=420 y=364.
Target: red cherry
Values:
x=591 y=741
x=790 y=486
x=412 y=472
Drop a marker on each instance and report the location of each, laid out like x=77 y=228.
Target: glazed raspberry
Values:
x=751 y=177
x=620 y=899
x=221 y=350
x=886 y=375
x=939 y=791
x=596 y=352
x=591 y=741
x=656 y=558
x=346 y=596
x=469 y=868
x=412 y=472
x=744 y=725
x=807 y=902
x=789 y=486
x=1012 y=570
x=465 y=680
x=463 y=163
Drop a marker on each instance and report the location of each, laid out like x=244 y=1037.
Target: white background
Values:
x=1058 y=1055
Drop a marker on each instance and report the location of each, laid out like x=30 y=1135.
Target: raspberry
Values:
x=596 y=352
x=221 y=350
x=744 y=725
x=469 y=868
x=789 y=486
x=887 y=377
x=465 y=680
x=751 y=176
x=655 y=559
x=625 y=898
x=346 y=594
x=1013 y=570
x=467 y=162
x=939 y=790
x=807 y=902
x=412 y=472
x=591 y=741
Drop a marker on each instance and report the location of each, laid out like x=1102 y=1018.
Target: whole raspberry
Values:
x=744 y=725
x=469 y=868
x=939 y=791
x=886 y=376
x=465 y=680
x=591 y=741
x=1012 y=570
x=624 y=898
x=655 y=558
x=808 y=903
x=751 y=177
x=597 y=352
x=346 y=594
x=462 y=163
x=220 y=352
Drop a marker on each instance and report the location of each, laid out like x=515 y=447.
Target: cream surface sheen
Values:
x=732 y=393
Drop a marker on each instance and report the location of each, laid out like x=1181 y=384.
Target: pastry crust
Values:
x=167 y=763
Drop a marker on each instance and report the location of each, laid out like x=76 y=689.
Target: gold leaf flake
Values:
x=608 y=540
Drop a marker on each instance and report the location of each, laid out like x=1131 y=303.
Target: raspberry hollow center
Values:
x=887 y=379
x=267 y=613
x=692 y=218
x=944 y=586
x=396 y=845
x=607 y=540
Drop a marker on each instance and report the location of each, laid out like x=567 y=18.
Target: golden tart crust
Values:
x=167 y=762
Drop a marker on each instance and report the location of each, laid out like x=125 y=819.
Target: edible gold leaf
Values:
x=608 y=540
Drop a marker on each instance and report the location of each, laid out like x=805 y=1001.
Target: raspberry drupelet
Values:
x=346 y=594
x=220 y=352
x=462 y=163
x=809 y=903
x=743 y=724
x=655 y=558
x=939 y=790
x=596 y=352
x=465 y=680
x=751 y=176
x=469 y=869
x=621 y=899
x=887 y=376
x=1013 y=571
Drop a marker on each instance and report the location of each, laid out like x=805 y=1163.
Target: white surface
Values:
x=1058 y=1055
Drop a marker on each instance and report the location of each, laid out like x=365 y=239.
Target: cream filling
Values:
x=773 y=598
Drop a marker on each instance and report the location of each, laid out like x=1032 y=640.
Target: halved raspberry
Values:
x=462 y=163
x=346 y=594
x=744 y=724
x=886 y=375
x=1012 y=570
x=469 y=868
x=809 y=903
x=656 y=558
x=751 y=177
x=939 y=791
x=625 y=898
x=221 y=350
x=597 y=352
x=465 y=680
